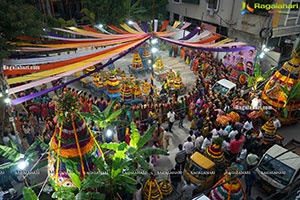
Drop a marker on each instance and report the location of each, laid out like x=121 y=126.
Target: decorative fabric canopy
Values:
x=39 y=70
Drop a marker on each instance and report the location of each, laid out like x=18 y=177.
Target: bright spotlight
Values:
x=154 y=65
x=100 y=25
x=44 y=29
x=262 y=55
x=7 y=101
x=6 y=91
x=266 y=50
x=109 y=133
x=263 y=46
x=154 y=41
x=22 y=164
x=130 y=22
x=154 y=50
x=149 y=61
x=1 y=95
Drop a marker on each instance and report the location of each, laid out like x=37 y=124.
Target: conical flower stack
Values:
x=137 y=62
x=215 y=153
x=146 y=87
x=273 y=95
x=270 y=131
x=137 y=92
x=113 y=84
x=146 y=54
x=178 y=81
x=159 y=66
x=166 y=187
x=72 y=143
x=151 y=190
x=232 y=190
x=126 y=92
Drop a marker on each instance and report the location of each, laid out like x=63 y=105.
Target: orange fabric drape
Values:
x=117 y=29
x=164 y=26
x=213 y=38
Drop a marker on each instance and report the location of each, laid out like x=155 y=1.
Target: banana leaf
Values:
x=142 y=162
x=135 y=136
x=146 y=137
x=110 y=109
x=95 y=195
x=151 y=151
x=98 y=112
x=28 y=194
x=40 y=165
x=9 y=153
x=91 y=117
x=126 y=178
x=14 y=145
x=7 y=165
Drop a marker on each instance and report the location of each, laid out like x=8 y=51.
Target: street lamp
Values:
x=22 y=164
x=100 y=25
x=154 y=50
x=109 y=133
x=154 y=41
x=130 y=22
x=7 y=100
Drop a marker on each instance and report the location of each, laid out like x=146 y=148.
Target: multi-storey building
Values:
x=251 y=27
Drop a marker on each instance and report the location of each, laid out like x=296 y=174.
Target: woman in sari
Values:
x=191 y=111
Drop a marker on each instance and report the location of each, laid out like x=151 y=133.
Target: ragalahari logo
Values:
x=246 y=9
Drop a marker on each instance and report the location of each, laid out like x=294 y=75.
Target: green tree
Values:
x=107 y=118
x=88 y=16
x=18 y=18
x=258 y=77
x=107 y=11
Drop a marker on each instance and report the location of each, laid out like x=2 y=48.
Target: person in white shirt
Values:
x=6 y=139
x=187 y=190
x=188 y=147
x=232 y=134
x=191 y=132
x=248 y=125
x=138 y=193
x=277 y=123
x=171 y=117
x=214 y=133
x=225 y=145
x=198 y=142
x=222 y=132
x=206 y=142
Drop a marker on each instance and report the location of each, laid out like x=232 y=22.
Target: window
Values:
x=282 y=173
x=176 y=17
x=213 y=5
x=191 y=1
x=176 y=1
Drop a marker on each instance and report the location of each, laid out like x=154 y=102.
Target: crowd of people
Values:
x=200 y=106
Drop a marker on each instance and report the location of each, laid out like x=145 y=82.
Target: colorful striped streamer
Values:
x=52 y=78
x=130 y=30
x=73 y=66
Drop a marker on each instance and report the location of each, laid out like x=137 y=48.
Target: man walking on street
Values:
x=180 y=157
x=171 y=117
